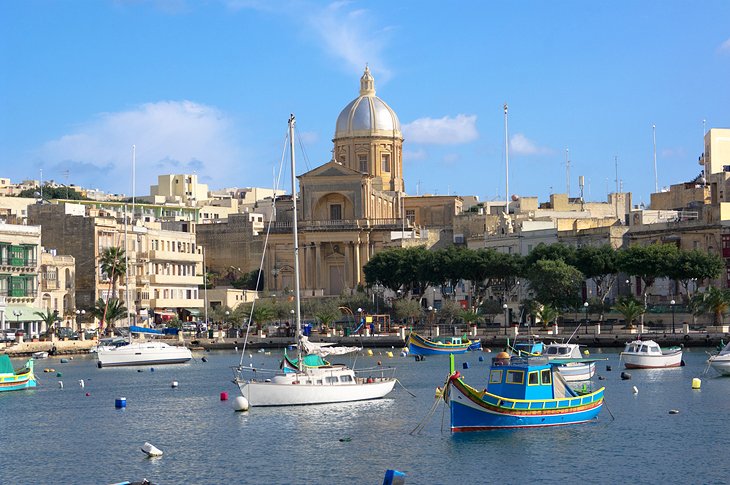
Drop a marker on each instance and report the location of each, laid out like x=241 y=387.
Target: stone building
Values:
x=57 y=290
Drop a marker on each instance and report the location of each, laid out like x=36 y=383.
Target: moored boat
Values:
x=721 y=361
x=419 y=345
x=142 y=352
x=12 y=379
x=646 y=354
x=522 y=392
x=571 y=365
x=40 y=355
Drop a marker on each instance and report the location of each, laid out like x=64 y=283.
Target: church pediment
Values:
x=333 y=169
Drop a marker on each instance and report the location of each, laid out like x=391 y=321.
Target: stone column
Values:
x=598 y=328
x=318 y=266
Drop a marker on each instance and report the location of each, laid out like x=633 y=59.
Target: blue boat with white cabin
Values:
x=521 y=392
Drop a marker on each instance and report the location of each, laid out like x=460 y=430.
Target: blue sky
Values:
x=207 y=87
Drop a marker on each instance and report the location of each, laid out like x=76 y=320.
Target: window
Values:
x=533 y=378
x=330 y=379
x=411 y=216
x=515 y=377
x=363 y=159
x=386 y=162
x=546 y=377
x=335 y=212
x=346 y=378
x=495 y=377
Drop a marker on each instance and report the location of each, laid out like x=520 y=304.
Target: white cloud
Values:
x=519 y=144
x=170 y=137
x=725 y=47
x=442 y=131
x=414 y=155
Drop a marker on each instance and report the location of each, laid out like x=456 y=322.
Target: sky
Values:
x=207 y=86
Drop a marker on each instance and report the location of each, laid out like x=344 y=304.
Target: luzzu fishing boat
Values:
x=522 y=392
x=418 y=345
x=16 y=379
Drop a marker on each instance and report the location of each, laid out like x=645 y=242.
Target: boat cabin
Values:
x=525 y=378
x=646 y=347
x=562 y=351
x=450 y=340
x=529 y=348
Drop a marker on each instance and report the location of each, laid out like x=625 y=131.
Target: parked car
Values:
x=8 y=335
x=67 y=332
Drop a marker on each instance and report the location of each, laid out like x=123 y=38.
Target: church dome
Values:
x=367 y=115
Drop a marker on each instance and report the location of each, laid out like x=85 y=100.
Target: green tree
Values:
x=547 y=314
x=108 y=312
x=630 y=308
x=555 y=283
x=407 y=309
x=715 y=301
x=50 y=193
x=598 y=263
x=552 y=252
x=112 y=263
x=695 y=264
x=49 y=318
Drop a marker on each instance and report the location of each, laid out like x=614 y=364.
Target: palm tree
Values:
x=112 y=263
x=717 y=302
x=108 y=311
x=49 y=318
x=547 y=314
x=630 y=308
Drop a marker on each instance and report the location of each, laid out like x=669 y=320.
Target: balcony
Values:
x=345 y=224
x=176 y=303
x=159 y=279
x=175 y=256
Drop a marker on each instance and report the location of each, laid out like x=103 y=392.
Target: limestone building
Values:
x=20 y=248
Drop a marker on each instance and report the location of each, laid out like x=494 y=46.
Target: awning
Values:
x=193 y=311
x=23 y=313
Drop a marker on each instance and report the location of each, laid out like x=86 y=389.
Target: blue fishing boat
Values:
x=16 y=379
x=522 y=392
x=418 y=345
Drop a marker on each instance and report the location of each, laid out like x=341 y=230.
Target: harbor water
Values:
x=55 y=434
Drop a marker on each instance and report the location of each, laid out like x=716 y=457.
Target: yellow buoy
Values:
x=370 y=352
x=439 y=393
x=585 y=352
x=696 y=383
x=389 y=354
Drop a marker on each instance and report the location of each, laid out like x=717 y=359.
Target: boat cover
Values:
x=6 y=367
x=152 y=331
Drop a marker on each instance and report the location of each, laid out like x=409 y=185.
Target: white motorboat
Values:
x=308 y=379
x=40 y=355
x=646 y=354
x=571 y=365
x=142 y=352
x=109 y=343
x=721 y=361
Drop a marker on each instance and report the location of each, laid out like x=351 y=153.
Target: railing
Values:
x=10 y=261
x=346 y=223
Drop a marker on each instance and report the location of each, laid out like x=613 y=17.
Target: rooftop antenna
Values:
x=656 y=179
x=567 y=172
x=581 y=184
x=506 y=160
x=615 y=163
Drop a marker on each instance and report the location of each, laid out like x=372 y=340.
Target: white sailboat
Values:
x=308 y=379
x=140 y=352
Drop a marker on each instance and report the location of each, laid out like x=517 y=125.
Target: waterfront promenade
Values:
x=491 y=338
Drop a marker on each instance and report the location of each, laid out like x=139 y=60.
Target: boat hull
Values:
x=475 y=411
x=418 y=345
x=283 y=394
x=721 y=365
x=143 y=354
x=18 y=380
x=577 y=372
x=634 y=361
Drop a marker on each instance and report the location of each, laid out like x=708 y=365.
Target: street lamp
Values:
x=504 y=307
x=673 y=303
x=17 y=314
x=292 y=324
x=585 y=306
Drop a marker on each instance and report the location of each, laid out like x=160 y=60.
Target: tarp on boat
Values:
x=6 y=367
x=150 y=331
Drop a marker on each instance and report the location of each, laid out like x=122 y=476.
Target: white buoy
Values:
x=151 y=450
x=674 y=411
x=81 y=383
x=240 y=404
x=174 y=384
x=60 y=384
x=636 y=390
x=236 y=347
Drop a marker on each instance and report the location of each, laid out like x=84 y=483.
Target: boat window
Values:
x=655 y=350
x=552 y=350
x=319 y=381
x=495 y=377
x=515 y=377
x=346 y=378
x=331 y=379
x=563 y=350
x=546 y=377
x=533 y=378
x=644 y=348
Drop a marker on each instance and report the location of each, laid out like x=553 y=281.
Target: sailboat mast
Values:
x=292 y=122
